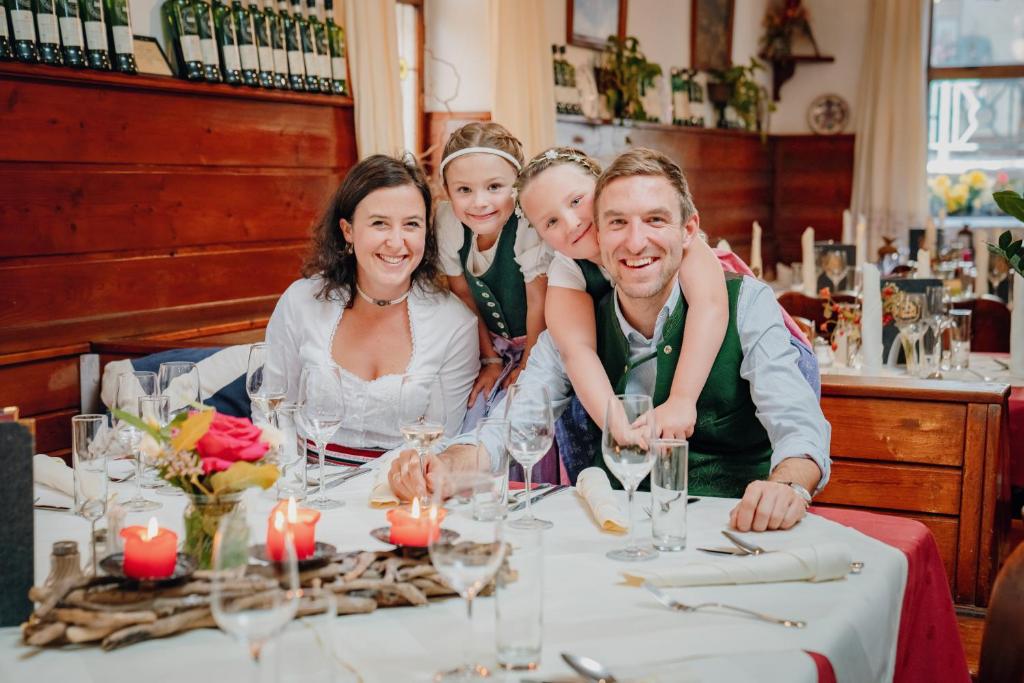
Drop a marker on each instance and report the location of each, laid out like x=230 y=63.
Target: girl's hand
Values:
x=675 y=418
x=484 y=381
x=511 y=378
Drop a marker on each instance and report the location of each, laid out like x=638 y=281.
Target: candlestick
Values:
x=301 y=523
x=149 y=551
x=412 y=528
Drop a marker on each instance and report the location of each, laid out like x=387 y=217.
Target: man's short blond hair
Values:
x=641 y=161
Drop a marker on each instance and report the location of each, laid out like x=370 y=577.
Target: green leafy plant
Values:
x=1011 y=250
x=623 y=75
x=749 y=99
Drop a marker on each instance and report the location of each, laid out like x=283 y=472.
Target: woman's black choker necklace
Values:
x=382 y=302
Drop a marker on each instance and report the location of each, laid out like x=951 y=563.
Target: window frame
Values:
x=421 y=116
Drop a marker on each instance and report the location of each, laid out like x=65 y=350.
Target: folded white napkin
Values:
x=381 y=495
x=53 y=472
x=819 y=562
x=593 y=486
x=809 y=271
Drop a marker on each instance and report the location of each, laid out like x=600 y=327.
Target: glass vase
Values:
x=202 y=516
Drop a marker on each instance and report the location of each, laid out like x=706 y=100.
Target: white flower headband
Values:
x=480 y=150
x=549 y=155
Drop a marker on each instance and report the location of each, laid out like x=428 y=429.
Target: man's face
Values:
x=642 y=234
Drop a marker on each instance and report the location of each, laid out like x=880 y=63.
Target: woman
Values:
x=372 y=305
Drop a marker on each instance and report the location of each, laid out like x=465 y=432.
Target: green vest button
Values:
x=491 y=304
x=485 y=295
x=495 y=314
x=668 y=349
x=501 y=325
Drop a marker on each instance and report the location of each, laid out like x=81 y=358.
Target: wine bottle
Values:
x=227 y=43
x=293 y=45
x=264 y=48
x=24 y=23
x=308 y=46
x=71 y=33
x=246 y=44
x=336 y=41
x=97 y=52
x=277 y=43
x=183 y=33
x=207 y=41
x=6 y=46
x=49 y=33
x=323 y=58
x=120 y=23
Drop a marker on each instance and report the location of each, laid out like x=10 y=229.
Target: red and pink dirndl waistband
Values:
x=346 y=456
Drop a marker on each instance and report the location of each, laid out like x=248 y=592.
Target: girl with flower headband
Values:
x=561 y=210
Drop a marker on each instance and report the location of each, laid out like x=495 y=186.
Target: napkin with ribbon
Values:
x=818 y=562
x=381 y=495
x=592 y=485
x=54 y=473
x=809 y=269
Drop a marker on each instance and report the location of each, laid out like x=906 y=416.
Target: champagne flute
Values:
x=627 y=445
x=530 y=432
x=90 y=440
x=907 y=316
x=266 y=388
x=179 y=381
x=421 y=413
x=131 y=387
x=469 y=561
x=321 y=410
x=935 y=314
x=252 y=602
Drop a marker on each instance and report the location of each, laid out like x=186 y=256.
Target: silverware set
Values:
x=674 y=604
x=536 y=494
x=743 y=548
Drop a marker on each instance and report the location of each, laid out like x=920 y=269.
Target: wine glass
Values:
x=935 y=317
x=321 y=411
x=627 y=445
x=90 y=441
x=131 y=387
x=421 y=413
x=254 y=601
x=266 y=389
x=530 y=432
x=907 y=316
x=467 y=562
x=179 y=381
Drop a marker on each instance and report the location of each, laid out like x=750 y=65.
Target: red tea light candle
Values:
x=287 y=516
x=149 y=551
x=411 y=527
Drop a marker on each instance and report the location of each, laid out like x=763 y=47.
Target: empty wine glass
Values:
x=90 y=442
x=935 y=319
x=421 y=413
x=530 y=432
x=252 y=602
x=131 y=387
x=627 y=445
x=467 y=562
x=321 y=411
x=266 y=388
x=907 y=316
x=179 y=381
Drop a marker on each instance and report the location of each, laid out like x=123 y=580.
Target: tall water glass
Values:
x=492 y=459
x=531 y=429
x=154 y=410
x=627 y=446
x=519 y=601
x=421 y=413
x=265 y=387
x=669 y=484
x=132 y=386
x=960 y=339
x=291 y=454
x=90 y=441
x=179 y=381
x=321 y=410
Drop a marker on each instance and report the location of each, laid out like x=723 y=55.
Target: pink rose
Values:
x=229 y=440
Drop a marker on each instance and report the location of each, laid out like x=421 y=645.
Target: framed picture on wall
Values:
x=711 y=35
x=589 y=22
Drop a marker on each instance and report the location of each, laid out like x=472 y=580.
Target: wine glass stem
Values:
x=92 y=539
x=527 y=476
x=321 y=447
x=138 y=474
x=255 y=650
x=631 y=539
x=467 y=648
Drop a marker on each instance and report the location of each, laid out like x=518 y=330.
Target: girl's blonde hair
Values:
x=483 y=134
x=556 y=156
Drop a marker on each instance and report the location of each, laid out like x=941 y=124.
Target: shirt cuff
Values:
x=801 y=449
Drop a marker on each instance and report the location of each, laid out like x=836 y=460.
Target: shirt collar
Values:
x=634 y=335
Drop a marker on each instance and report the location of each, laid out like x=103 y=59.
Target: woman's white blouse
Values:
x=531 y=253
x=444 y=341
x=565 y=272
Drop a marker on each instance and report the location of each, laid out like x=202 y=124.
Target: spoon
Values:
x=590 y=669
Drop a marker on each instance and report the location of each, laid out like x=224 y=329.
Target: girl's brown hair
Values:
x=483 y=134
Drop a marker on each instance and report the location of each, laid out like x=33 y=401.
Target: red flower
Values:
x=228 y=440
x=823 y=293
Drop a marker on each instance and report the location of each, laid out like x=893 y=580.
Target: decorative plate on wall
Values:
x=828 y=115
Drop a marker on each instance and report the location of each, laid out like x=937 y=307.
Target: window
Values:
x=409 y=16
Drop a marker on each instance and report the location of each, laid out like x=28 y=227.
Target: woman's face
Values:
x=559 y=203
x=480 y=188
x=388 y=233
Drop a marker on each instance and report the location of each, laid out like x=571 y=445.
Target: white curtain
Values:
x=372 y=36
x=891 y=123
x=522 y=85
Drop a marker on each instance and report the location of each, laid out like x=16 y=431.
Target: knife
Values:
x=341 y=479
x=543 y=494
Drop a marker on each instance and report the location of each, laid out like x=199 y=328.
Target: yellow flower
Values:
x=940 y=184
x=976 y=180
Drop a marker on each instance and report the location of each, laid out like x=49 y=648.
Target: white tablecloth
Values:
x=853 y=622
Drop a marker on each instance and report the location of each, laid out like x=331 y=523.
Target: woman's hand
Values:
x=485 y=381
x=675 y=418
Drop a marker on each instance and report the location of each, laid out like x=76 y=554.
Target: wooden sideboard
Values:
x=934 y=451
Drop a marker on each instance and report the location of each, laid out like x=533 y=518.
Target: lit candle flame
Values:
x=293 y=513
x=278 y=521
x=433 y=514
x=416 y=508
x=151 y=530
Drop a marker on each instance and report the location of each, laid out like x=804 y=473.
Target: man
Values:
x=761 y=435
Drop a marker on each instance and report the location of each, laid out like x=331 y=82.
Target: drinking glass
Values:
x=530 y=433
x=266 y=388
x=90 y=441
x=669 y=485
x=421 y=413
x=254 y=601
x=627 y=446
x=467 y=563
x=291 y=454
x=907 y=316
x=321 y=410
x=519 y=601
x=493 y=460
x=935 y=319
x=131 y=387
x=960 y=339
x=310 y=640
x=834 y=265
x=179 y=381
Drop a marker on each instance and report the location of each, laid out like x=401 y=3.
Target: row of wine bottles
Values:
x=258 y=46
x=567 y=94
x=78 y=33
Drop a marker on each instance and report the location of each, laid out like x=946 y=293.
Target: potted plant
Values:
x=623 y=74
x=1011 y=250
x=747 y=97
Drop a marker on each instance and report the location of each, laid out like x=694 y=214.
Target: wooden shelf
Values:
x=783 y=69
x=113 y=79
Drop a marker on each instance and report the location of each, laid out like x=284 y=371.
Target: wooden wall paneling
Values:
x=440 y=125
x=53 y=430
x=971 y=504
x=913 y=488
x=40 y=386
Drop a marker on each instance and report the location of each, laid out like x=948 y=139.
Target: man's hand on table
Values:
x=406 y=478
x=773 y=504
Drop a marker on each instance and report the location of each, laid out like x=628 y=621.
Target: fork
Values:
x=672 y=603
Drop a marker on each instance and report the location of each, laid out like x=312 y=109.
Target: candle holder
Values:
x=184 y=567
x=323 y=553
x=383 y=534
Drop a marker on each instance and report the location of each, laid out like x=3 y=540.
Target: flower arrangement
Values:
x=781 y=23
x=971 y=194
x=843 y=319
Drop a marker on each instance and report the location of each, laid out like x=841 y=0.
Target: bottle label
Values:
x=190 y=50
x=49 y=33
x=244 y=25
x=291 y=38
x=338 y=69
x=92 y=10
x=71 y=32
x=96 y=35
x=3 y=23
x=250 y=58
x=307 y=39
x=118 y=15
x=67 y=9
x=204 y=25
x=276 y=39
x=124 y=44
x=208 y=46
x=295 y=64
x=24 y=27
x=323 y=63
x=280 y=61
x=266 y=58
x=232 y=62
x=310 y=60
x=189 y=23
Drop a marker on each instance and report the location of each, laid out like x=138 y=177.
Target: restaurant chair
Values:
x=902 y=270
x=1002 y=644
x=806 y=326
x=17 y=444
x=809 y=308
x=990 y=324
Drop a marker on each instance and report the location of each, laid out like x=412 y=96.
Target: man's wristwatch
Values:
x=800 y=490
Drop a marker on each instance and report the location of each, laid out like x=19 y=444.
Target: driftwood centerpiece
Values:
x=103 y=610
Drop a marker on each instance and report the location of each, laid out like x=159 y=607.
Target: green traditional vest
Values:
x=729 y=447
x=500 y=293
x=598 y=285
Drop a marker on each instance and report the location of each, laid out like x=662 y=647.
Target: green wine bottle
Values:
x=336 y=41
x=49 y=33
x=24 y=23
x=182 y=31
x=308 y=46
x=97 y=53
x=246 y=44
x=6 y=47
x=227 y=42
x=264 y=48
x=277 y=44
x=293 y=44
x=323 y=57
x=120 y=23
x=71 y=33
x=207 y=41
